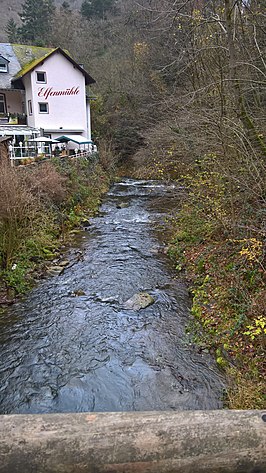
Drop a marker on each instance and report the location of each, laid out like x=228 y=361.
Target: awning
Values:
x=18 y=130
x=43 y=139
x=80 y=140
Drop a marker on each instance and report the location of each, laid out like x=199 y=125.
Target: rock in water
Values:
x=122 y=205
x=139 y=301
x=79 y=293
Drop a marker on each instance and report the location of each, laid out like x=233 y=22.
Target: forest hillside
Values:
x=10 y=9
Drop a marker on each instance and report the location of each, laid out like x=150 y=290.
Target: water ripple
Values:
x=63 y=353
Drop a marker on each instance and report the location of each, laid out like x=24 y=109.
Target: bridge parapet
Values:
x=222 y=441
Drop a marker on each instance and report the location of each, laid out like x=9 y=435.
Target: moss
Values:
x=30 y=56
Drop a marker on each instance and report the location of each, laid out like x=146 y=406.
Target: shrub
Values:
x=47 y=183
x=18 y=209
x=40 y=204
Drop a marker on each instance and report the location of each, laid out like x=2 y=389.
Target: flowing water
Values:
x=72 y=346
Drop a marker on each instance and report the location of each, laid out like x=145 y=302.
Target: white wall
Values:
x=29 y=96
x=88 y=112
x=66 y=112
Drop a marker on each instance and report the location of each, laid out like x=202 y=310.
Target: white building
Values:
x=43 y=92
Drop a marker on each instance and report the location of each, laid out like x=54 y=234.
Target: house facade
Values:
x=43 y=92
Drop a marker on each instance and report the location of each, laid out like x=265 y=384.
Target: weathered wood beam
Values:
x=155 y=442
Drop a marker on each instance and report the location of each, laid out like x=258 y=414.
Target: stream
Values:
x=72 y=346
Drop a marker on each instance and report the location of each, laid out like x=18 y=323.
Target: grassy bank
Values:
x=39 y=206
x=219 y=241
x=228 y=301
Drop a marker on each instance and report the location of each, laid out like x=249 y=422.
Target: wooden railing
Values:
x=140 y=442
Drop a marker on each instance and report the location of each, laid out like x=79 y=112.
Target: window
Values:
x=43 y=107
x=2 y=103
x=41 y=77
x=3 y=66
x=30 y=107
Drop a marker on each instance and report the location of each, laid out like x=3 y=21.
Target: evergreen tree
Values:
x=66 y=7
x=96 y=8
x=11 y=31
x=37 y=18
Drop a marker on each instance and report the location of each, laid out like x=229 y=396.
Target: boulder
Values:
x=64 y=263
x=54 y=270
x=139 y=301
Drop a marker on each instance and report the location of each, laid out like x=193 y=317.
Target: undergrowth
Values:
x=220 y=243
x=39 y=205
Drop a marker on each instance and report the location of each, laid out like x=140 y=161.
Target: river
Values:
x=71 y=346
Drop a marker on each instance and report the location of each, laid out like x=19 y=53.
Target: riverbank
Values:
x=217 y=241
x=228 y=297
x=41 y=206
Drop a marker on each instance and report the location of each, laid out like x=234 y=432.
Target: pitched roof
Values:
x=14 y=66
x=26 y=58
x=27 y=55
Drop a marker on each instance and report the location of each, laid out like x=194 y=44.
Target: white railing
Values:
x=83 y=154
x=20 y=153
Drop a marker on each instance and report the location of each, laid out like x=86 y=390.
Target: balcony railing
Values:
x=13 y=119
x=29 y=154
x=25 y=152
